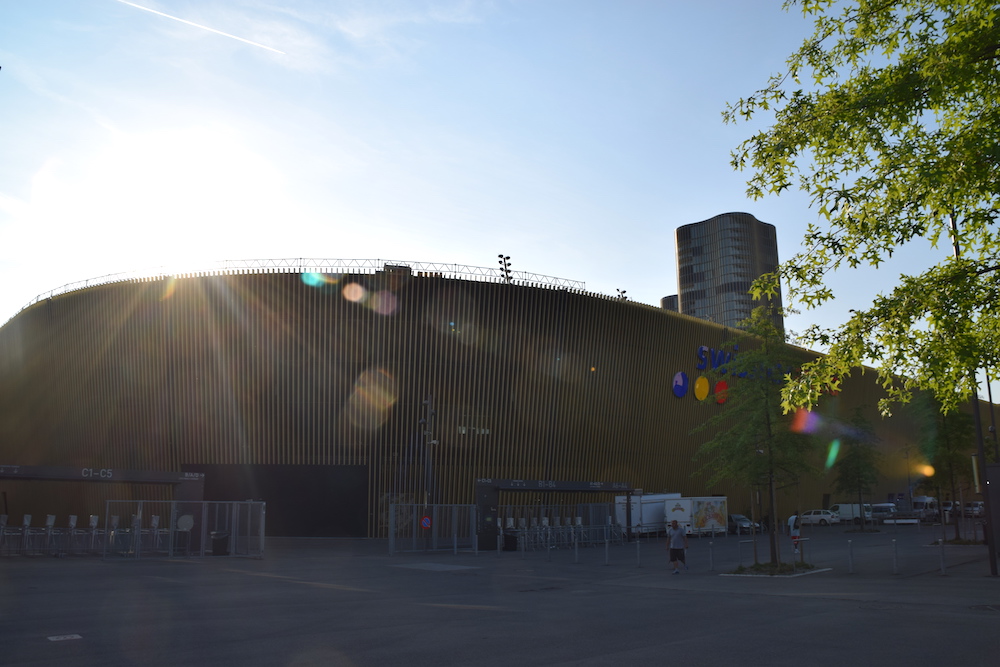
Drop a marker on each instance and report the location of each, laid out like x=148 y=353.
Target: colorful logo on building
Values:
x=716 y=360
x=707 y=358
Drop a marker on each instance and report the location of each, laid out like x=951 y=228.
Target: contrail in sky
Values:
x=203 y=27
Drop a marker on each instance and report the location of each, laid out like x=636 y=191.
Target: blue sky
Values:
x=574 y=136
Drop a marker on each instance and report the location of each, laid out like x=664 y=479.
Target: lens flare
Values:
x=383 y=303
x=831 y=456
x=312 y=279
x=320 y=279
x=806 y=421
x=355 y=292
x=168 y=289
x=370 y=404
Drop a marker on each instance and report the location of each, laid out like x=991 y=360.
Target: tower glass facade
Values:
x=717 y=260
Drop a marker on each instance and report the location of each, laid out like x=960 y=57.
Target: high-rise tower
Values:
x=717 y=260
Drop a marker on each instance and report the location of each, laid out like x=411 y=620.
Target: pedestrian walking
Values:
x=677 y=544
x=793 y=530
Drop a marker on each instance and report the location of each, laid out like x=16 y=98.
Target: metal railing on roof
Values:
x=312 y=265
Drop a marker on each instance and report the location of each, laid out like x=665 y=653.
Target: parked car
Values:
x=974 y=508
x=738 y=523
x=819 y=517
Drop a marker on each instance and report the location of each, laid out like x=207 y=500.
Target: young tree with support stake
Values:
x=897 y=140
x=947 y=440
x=752 y=439
x=857 y=469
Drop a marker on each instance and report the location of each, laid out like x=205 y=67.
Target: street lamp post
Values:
x=909 y=486
x=428 y=432
x=984 y=484
x=980 y=448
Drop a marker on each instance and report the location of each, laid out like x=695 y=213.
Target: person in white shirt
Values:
x=677 y=544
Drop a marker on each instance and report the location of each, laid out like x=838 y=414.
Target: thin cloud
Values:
x=203 y=27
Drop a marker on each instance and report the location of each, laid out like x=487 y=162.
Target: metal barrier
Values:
x=537 y=527
x=545 y=537
x=583 y=514
x=157 y=529
x=414 y=527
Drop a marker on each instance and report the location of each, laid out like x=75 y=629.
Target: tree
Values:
x=857 y=469
x=896 y=139
x=947 y=442
x=752 y=441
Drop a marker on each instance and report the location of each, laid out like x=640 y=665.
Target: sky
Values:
x=572 y=135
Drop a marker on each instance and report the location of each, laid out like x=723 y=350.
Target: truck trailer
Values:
x=700 y=515
x=647 y=512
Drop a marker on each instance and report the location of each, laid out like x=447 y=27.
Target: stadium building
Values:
x=331 y=389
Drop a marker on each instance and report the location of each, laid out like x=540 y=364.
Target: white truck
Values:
x=851 y=512
x=699 y=515
x=647 y=512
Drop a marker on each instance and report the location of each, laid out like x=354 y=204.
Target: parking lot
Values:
x=874 y=598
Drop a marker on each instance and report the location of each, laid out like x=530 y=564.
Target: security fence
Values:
x=149 y=528
x=416 y=527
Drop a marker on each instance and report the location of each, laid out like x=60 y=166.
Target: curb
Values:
x=780 y=576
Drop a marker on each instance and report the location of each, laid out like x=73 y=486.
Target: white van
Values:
x=851 y=512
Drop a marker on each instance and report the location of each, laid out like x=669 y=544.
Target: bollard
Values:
x=895 y=558
x=711 y=557
x=944 y=537
x=605 y=548
x=850 y=557
x=576 y=548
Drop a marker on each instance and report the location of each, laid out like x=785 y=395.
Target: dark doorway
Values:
x=302 y=501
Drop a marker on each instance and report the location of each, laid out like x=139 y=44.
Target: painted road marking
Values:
x=473 y=607
x=436 y=567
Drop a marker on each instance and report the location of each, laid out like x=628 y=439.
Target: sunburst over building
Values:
x=331 y=389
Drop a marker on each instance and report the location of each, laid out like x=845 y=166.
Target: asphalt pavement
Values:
x=885 y=598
